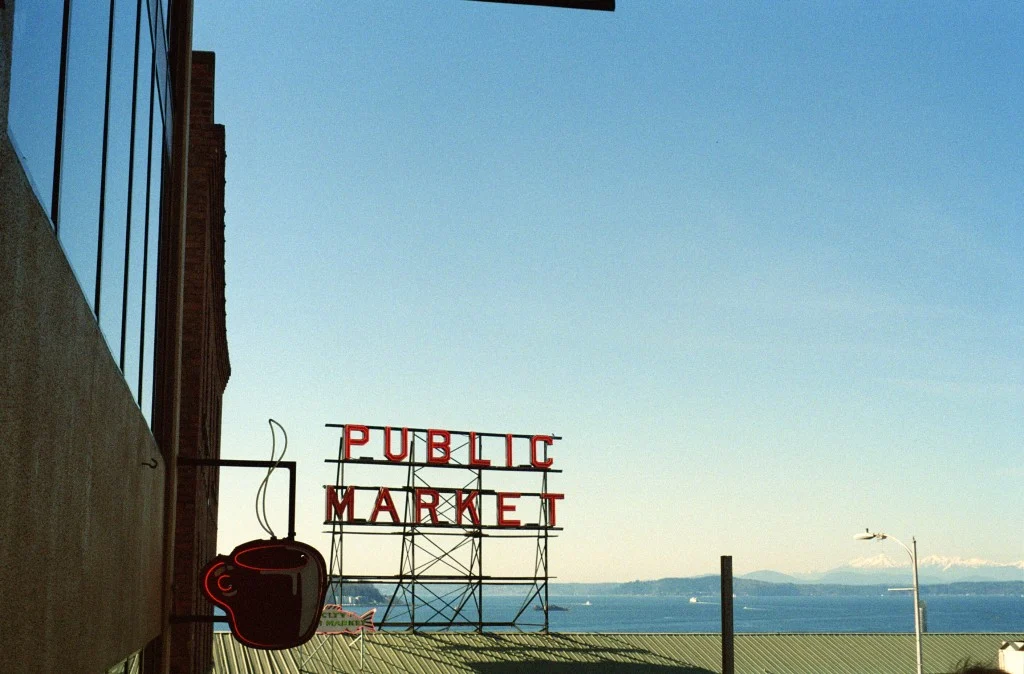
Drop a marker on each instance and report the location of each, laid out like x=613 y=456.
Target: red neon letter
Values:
x=551 y=498
x=473 y=460
x=430 y=506
x=348 y=441
x=338 y=508
x=444 y=444
x=464 y=503
x=506 y=508
x=508 y=450
x=384 y=503
x=387 y=445
x=547 y=440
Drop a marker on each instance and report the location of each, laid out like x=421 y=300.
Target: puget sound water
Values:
x=890 y=613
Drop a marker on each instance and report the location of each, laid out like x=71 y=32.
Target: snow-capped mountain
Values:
x=887 y=568
x=890 y=569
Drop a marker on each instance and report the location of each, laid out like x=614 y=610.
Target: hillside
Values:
x=710 y=586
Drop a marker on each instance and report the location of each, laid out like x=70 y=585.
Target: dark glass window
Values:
x=149 y=309
x=82 y=161
x=35 y=75
x=116 y=243
x=134 y=281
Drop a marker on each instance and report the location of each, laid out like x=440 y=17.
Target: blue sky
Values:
x=759 y=265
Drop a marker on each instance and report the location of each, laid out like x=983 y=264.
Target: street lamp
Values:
x=878 y=536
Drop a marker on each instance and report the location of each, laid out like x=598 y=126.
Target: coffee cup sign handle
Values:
x=218 y=583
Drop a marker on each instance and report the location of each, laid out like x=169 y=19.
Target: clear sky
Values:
x=761 y=265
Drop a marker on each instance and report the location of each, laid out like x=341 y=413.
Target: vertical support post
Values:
x=291 y=500
x=547 y=523
x=917 y=611
x=411 y=486
x=480 y=546
x=728 y=650
x=341 y=529
x=334 y=570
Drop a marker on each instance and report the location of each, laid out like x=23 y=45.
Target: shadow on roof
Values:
x=583 y=668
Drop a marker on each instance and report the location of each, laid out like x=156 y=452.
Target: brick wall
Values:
x=205 y=372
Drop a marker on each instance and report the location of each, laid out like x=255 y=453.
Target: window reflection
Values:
x=115 y=177
x=149 y=308
x=35 y=72
x=131 y=333
x=82 y=162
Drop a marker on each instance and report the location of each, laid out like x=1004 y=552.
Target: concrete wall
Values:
x=81 y=510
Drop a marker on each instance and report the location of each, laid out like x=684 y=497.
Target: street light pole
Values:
x=868 y=536
x=917 y=604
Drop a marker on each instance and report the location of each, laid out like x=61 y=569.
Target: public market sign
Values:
x=440 y=506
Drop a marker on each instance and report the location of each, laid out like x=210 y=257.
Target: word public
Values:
x=439 y=446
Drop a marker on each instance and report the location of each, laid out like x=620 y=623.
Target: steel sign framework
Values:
x=441 y=578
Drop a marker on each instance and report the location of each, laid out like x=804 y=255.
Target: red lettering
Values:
x=466 y=501
x=430 y=506
x=348 y=441
x=534 y=441
x=387 y=445
x=551 y=498
x=336 y=509
x=508 y=450
x=473 y=460
x=444 y=444
x=507 y=508
x=386 y=504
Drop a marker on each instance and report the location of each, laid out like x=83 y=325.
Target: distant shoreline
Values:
x=709 y=586
x=743 y=587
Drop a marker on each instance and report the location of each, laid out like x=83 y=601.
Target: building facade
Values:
x=113 y=351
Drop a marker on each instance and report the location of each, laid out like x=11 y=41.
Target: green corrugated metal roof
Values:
x=605 y=653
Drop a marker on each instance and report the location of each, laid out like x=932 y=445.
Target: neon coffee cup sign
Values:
x=271 y=590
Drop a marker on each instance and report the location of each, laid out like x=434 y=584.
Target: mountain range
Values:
x=885 y=569
x=865 y=576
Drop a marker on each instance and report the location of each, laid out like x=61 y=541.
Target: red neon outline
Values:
x=234 y=558
x=446 y=445
x=387 y=445
x=552 y=498
x=462 y=505
x=384 y=493
x=348 y=442
x=509 y=508
x=546 y=463
x=474 y=460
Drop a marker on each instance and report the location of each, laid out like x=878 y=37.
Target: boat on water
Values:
x=587 y=603
x=693 y=600
x=551 y=607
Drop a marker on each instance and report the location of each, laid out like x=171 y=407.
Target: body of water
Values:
x=883 y=613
